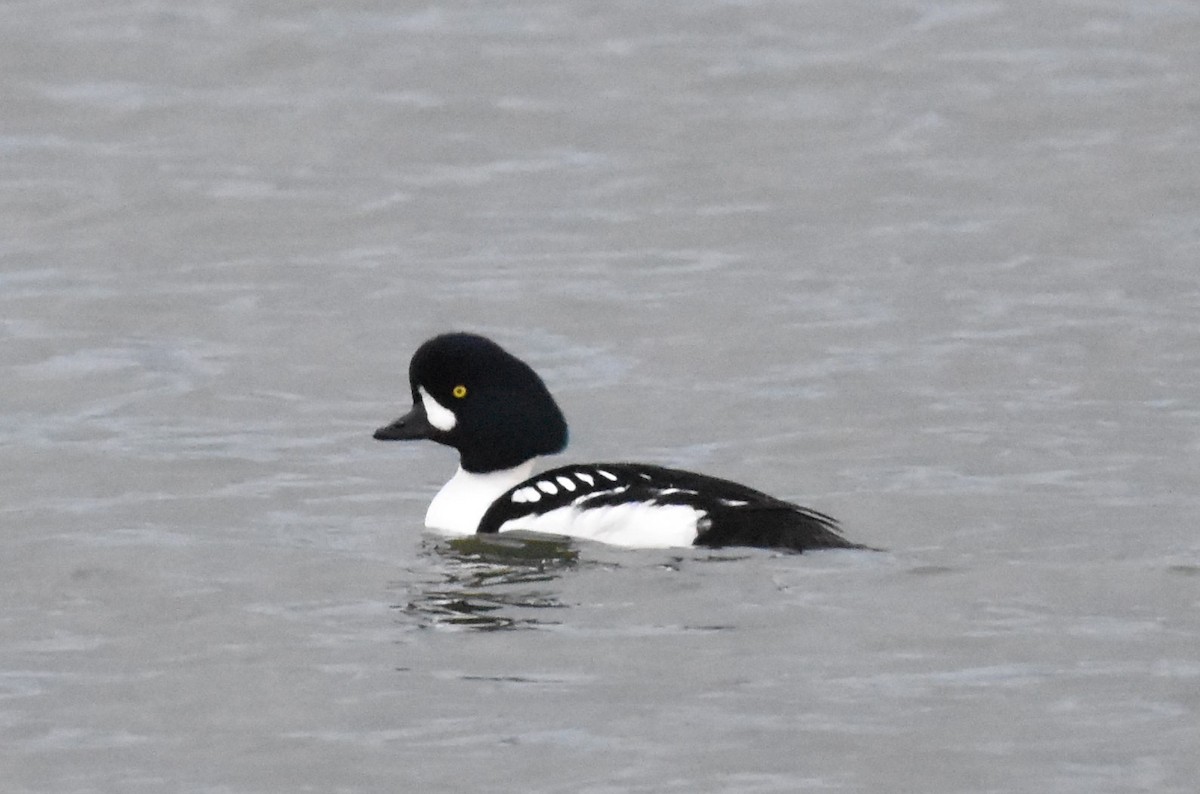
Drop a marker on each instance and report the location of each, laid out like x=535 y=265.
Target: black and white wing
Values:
x=630 y=504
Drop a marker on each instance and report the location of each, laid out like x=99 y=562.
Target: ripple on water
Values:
x=490 y=583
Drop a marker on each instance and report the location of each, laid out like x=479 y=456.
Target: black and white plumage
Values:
x=471 y=394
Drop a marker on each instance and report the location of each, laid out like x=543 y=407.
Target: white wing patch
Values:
x=526 y=495
x=689 y=492
x=633 y=524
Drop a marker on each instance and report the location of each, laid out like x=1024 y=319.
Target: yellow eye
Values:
x=459 y=391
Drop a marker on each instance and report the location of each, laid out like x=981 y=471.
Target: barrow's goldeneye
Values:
x=471 y=394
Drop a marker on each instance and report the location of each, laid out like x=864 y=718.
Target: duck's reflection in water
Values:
x=489 y=582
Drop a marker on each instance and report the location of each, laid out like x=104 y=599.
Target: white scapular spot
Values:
x=586 y=479
x=526 y=495
x=607 y=474
x=566 y=482
x=439 y=415
x=734 y=502
x=547 y=487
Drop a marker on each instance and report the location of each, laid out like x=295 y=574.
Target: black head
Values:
x=471 y=394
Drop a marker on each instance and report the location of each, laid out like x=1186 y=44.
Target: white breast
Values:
x=460 y=504
x=633 y=524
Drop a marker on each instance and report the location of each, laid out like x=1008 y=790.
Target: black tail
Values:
x=792 y=527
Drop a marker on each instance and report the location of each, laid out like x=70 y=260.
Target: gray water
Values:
x=930 y=267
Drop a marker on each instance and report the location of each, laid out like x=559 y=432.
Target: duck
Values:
x=471 y=394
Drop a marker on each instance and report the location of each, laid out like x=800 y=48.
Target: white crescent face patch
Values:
x=439 y=415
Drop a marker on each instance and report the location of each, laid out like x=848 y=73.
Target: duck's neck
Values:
x=460 y=504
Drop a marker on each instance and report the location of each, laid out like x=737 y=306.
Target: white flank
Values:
x=460 y=504
x=634 y=524
x=439 y=415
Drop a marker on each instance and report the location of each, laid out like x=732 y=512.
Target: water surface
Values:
x=927 y=266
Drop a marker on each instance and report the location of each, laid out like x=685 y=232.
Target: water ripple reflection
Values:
x=489 y=584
